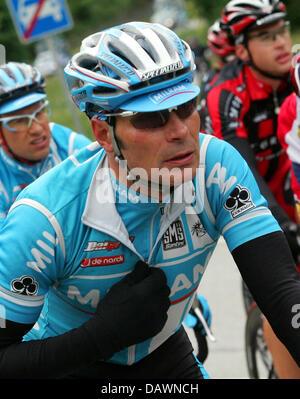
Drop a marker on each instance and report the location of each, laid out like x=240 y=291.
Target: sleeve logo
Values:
x=26 y=285
x=239 y=201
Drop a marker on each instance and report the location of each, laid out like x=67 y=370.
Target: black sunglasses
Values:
x=153 y=120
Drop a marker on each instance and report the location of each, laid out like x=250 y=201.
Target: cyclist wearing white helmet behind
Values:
x=29 y=144
x=119 y=235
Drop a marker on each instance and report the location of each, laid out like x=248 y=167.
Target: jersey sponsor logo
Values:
x=218 y=176
x=163 y=94
x=174 y=236
x=102 y=261
x=198 y=229
x=262 y=116
x=163 y=70
x=100 y=246
x=25 y=285
x=239 y=201
x=103 y=246
x=91 y=298
x=230 y=105
x=39 y=254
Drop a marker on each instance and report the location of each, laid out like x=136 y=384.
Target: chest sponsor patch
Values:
x=102 y=261
x=174 y=236
x=99 y=246
x=239 y=201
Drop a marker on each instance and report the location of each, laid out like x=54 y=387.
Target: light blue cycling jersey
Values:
x=73 y=242
x=14 y=175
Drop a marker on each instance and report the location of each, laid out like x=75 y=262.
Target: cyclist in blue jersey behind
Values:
x=119 y=235
x=30 y=145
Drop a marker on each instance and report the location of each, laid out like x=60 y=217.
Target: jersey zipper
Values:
x=276 y=102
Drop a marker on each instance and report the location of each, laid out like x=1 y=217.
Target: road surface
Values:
x=221 y=286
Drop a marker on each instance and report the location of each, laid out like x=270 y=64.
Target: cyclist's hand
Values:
x=135 y=308
x=292 y=233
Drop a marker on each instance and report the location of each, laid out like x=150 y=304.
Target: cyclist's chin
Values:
x=37 y=155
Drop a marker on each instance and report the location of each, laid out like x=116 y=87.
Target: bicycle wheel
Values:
x=259 y=360
x=247 y=297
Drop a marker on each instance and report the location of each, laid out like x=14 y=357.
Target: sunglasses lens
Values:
x=150 y=120
x=185 y=110
x=153 y=120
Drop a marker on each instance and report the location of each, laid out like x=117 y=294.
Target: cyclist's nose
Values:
x=280 y=40
x=176 y=128
x=35 y=127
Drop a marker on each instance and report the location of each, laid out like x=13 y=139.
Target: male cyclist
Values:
x=288 y=129
x=223 y=53
x=119 y=235
x=30 y=144
x=244 y=102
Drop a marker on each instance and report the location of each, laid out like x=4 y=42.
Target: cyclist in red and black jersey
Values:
x=244 y=102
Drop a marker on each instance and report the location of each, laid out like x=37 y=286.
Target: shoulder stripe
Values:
x=51 y=218
x=260 y=211
x=71 y=143
x=92 y=147
x=21 y=299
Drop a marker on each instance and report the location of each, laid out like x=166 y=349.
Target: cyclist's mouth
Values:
x=181 y=159
x=40 y=142
x=284 y=58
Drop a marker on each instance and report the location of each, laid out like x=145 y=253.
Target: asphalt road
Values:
x=221 y=286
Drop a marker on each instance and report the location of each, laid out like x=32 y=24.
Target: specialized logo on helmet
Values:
x=163 y=70
x=239 y=201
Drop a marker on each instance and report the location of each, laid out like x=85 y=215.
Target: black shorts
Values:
x=173 y=359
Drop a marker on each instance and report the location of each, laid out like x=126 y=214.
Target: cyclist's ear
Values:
x=242 y=52
x=101 y=133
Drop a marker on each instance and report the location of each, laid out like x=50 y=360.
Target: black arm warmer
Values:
x=53 y=357
x=242 y=145
x=268 y=269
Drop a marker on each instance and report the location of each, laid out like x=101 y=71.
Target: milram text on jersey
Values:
x=78 y=248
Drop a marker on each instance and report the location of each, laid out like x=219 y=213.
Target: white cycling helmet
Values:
x=20 y=86
x=136 y=66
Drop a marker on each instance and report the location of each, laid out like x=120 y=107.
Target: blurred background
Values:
x=189 y=18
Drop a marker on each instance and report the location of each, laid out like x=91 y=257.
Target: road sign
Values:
x=35 y=19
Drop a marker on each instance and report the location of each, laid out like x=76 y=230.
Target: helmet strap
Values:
x=119 y=158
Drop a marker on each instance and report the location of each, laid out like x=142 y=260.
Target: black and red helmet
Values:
x=219 y=42
x=238 y=17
